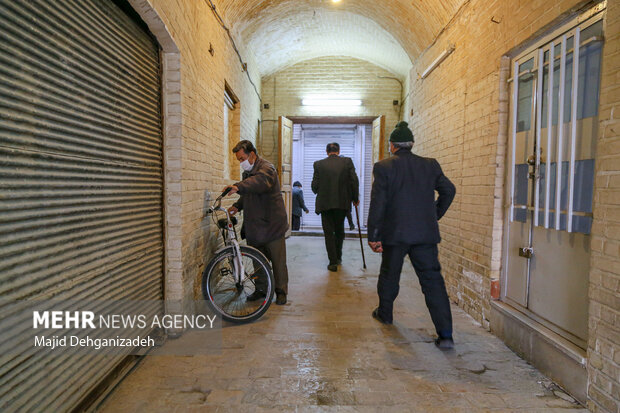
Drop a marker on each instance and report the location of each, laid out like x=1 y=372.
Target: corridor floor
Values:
x=322 y=352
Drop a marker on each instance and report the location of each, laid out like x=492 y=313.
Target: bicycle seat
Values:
x=223 y=223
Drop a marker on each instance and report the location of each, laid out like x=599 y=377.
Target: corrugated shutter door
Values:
x=368 y=165
x=80 y=177
x=314 y=143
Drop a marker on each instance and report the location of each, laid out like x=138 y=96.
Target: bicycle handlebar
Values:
x=218 y=200
x=226 y=191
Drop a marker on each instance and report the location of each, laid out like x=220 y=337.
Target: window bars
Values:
x=556 y=196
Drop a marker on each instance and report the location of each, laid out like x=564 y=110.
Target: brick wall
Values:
x=604 y=327
x=192 y=26
x=335 y=76
x=459 y=116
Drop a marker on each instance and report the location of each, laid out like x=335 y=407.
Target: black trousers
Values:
x=296 y=222
x=333 y=229
x=426 y=264
x=275 y=251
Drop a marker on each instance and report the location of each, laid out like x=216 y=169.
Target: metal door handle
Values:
x=526 y=252
x=531 y=160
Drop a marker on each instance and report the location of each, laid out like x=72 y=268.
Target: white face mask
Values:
x=246 y=165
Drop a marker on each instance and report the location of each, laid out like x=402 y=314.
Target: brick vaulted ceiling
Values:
x=388 y=33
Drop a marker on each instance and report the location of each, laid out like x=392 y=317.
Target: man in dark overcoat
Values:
x=265 y=222
x=403 y=221
x=336 y=185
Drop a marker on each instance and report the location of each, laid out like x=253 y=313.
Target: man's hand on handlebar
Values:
x=231 y=189
x=232 y=210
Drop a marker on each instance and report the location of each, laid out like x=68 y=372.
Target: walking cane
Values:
x=359 y=230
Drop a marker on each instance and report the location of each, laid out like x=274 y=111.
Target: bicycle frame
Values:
x=230 y=240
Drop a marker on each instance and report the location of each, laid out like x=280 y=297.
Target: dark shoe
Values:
x=332 y=267
x=376 y=316
x=280 y=298
x=444 y=343
x=256 y=295
x=352 y=227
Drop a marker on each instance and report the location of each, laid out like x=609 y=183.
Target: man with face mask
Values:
x=265 y=222
x=403 y=221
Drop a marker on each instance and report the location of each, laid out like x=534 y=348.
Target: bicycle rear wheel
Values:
x=229 y=297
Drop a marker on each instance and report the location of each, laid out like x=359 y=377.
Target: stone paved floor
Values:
x=322 y=352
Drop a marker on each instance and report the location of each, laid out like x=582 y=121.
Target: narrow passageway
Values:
x=323 y=352
x=119 y=121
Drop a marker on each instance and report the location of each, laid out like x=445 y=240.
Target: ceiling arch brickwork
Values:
x=389 y=33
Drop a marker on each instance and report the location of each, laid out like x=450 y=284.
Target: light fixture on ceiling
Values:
x=331 y=102
x=336 y=1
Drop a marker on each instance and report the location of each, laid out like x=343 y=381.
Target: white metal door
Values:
x=516 y=287
x=553 y=138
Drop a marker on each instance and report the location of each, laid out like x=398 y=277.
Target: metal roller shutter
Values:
x=368 y=165
x=80 y=178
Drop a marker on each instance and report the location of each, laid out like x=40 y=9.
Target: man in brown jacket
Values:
x=265 y=222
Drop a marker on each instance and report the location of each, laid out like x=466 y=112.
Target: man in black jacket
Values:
x=265 y=222
x=336 y=185
x=403 y=221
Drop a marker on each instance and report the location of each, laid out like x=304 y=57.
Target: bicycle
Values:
x=232 y=274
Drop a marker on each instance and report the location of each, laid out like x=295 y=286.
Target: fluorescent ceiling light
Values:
x=437 y=61
x=331 y=102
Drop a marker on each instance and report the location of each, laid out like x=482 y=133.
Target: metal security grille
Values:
x=80 y=178
x=554 y=105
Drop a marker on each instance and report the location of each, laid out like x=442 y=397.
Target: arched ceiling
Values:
x=389 y=33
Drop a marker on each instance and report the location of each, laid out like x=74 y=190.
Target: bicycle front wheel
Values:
x=228 y=295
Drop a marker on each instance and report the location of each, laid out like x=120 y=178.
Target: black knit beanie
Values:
x=401 y=133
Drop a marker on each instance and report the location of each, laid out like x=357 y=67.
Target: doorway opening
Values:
x=309 y=143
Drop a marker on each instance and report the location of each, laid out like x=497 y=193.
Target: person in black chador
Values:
x=403 y=221
x=298 y=205
x=336 y=185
